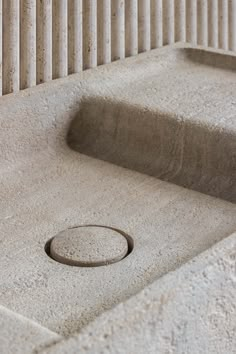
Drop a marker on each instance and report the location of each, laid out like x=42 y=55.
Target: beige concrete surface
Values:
x=46 y=187
x=190 y=311
x=174 y=121
x=20 y=335
x=88 y=246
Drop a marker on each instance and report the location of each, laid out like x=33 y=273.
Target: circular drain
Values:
x=89 y=246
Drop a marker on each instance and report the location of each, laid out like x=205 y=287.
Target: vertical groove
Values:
x=1 y=34
x=191 y=21
x=59 y=26
x=232 y=25
x=156 y=23
x=104 y=31
x=180 y=20
x=27 y=44
x=168 y=22
x=131 y=27
x=44 y=41
x=144 y=30
x=75 y=36
x=202 y=36
x=11 y=46
x=118 y=29
x=89 y=34
x=213 y=33
x=223 y=24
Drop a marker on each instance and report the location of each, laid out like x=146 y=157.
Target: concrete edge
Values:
x=167 y=306
x=19 y=334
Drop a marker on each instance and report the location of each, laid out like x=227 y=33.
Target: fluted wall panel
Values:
x=41 y=40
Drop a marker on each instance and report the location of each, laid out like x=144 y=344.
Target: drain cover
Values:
x=89 y=246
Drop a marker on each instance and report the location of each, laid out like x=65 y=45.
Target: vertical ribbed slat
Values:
x=191 y=21
x=11 y=46
x=213 y=33
x=180 y=20
x=144 y=22
x=232 y=25
x=0 y=47
x=89 y=34
x=168 y=21
x=59 y=41
x=131 y=27
x=223 y=24
x=202 y=35
x=75 y=36
x=156 y=24
x=118 y=29
x=44 y=41
x=104 y=31
x=27 y=43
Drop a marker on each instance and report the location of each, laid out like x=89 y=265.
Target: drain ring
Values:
x=89 y=246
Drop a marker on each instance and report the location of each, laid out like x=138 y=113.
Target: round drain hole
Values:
x=90 y=246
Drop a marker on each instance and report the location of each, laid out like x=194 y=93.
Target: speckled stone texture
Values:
x=20 y=335
x=88 y=246
x=181 y=109
x=174 y=121
x=190 y=311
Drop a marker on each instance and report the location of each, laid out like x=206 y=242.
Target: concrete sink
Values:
x=146 y=146
x=174 y=123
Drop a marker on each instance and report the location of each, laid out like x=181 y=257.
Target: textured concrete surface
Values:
x=190 y=311
x=169 y=226
x=175 y=122
x=20 y=335
x=46 y=187
x=88 y=246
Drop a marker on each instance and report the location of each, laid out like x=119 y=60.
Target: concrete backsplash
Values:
x=43 y=40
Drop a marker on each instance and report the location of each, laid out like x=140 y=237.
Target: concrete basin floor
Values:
x=169 y=226
x=46 y=187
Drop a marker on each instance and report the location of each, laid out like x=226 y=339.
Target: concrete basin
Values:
x=147 y=146
x=176 y=122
